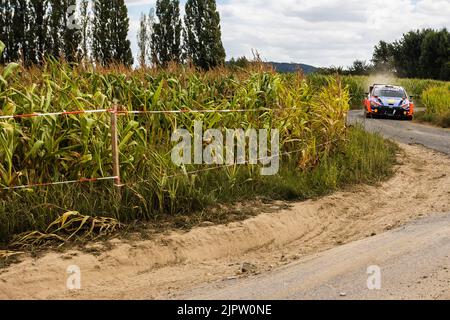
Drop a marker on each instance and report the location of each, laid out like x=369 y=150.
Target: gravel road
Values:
x=413 y=261
x=405 y=131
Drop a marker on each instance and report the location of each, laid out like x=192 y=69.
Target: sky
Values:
x=316 y=32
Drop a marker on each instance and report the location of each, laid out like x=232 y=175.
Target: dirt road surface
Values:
x=406 y=131
x=314 y=249
x=412 y=262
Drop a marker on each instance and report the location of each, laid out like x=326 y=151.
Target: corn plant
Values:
x=310 y=118
x=437 y=100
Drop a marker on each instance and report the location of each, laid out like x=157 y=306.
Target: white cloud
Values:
x=320 y=32
x=132 y=3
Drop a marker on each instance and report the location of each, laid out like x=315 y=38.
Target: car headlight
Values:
x=375 y=104
x=405 y=105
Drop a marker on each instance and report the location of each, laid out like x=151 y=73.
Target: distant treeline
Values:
x=418 y=54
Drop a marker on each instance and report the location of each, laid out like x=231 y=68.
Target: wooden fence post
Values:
x=115 y=149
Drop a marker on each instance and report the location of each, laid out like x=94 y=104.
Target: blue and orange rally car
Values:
x=388 y=101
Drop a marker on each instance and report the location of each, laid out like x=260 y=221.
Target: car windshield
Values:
x=389 y=92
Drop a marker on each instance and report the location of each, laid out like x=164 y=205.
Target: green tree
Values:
x=35 y=28
x=37 y=32
x=240 y=62
x=144 y=37
x=54 y=40
x=85 y=21
x=121 y=46
x=382 y=58
x=435 y=55
x=18 y=38
x=418 y=54
x=5 y=28
x=360 y=67
x=445 y=71
x=23 y=30
x=70 y=31
x=202 y=35
x=14 y=21
x=64 y=37
x=407 y=52
x=166 y=36
x=110 y=31
x=101 y=32
x=333 y=70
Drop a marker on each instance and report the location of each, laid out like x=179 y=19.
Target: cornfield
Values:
x=54 y=148
x=355 y=85
x=64 y=148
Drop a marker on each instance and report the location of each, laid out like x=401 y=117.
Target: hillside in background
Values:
x=292 y=67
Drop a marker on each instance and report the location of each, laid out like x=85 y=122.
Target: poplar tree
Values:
x=202 y=35
x=110 y=31
x=166 y=37
x=37 y=34
x=101 y=31
x=18 y=40
x=144 y=38
x=121 y=46
x=70 y=31
x=85 y=29
x=54 y=39
x=5 y=28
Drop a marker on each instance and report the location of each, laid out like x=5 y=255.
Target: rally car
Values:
x=388 y=101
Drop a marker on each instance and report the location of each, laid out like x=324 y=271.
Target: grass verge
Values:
x=440 y=120
x=437 y=103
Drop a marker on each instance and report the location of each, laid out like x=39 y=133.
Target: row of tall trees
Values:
x=34 y=29
x=97 y=31
x=29 y=29
x=164 y=38
x=418 y=54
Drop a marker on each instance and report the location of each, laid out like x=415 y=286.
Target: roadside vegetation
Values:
x=437 y=103
x=356 y=86
x=326 y=155
x=359 y=85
